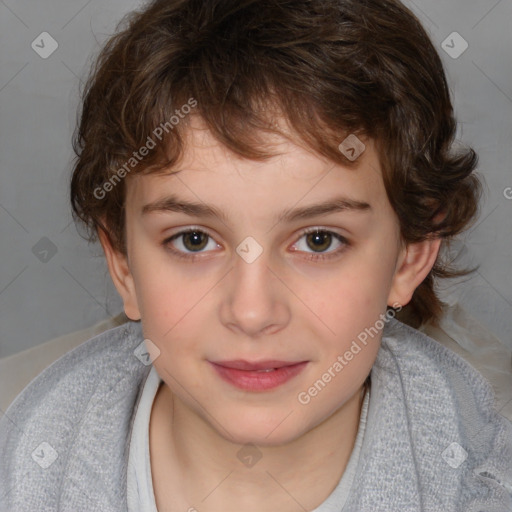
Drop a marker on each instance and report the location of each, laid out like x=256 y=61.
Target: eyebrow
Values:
x=174 y=204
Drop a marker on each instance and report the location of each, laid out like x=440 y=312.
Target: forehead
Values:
x=209 y=172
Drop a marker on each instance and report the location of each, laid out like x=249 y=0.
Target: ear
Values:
x=121 y=276
x=414 y=263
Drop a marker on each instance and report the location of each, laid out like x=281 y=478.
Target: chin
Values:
x=273 y=431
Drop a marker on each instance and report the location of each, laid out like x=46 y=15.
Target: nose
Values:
x=254 y=301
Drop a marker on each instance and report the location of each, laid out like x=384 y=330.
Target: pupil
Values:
x=319 y=237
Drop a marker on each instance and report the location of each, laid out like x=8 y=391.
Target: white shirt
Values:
x=141 y=497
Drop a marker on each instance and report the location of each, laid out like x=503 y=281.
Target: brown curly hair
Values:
x=330 y=67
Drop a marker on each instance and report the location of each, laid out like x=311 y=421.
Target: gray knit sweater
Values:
x=434 y=441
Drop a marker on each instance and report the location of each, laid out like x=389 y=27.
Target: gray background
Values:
x=52 y=282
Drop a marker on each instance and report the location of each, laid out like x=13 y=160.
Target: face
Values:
x=283 y=263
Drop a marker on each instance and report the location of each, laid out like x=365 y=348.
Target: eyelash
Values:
x=311 y=256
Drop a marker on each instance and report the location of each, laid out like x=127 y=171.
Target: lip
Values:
x=241 y=364
x=250 y=377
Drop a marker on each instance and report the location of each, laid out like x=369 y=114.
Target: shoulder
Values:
x=426 y=368
x=96 y=363
x=87 y=396
x=426 y=358
x=446 y=413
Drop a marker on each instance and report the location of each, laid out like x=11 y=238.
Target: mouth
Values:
x=258 y=375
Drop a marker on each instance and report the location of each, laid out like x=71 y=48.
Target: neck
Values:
x=213 y=471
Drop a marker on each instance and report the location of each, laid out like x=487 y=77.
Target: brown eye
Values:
x=319 y=241
x=321 y=244
x=187 y=243
x=195 y=240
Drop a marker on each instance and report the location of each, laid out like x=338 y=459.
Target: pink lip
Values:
x=245 y=375
x=241 y=364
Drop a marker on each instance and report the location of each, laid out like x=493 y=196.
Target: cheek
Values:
x=354 y=293
x=172 y=305
x=166 y=290
x=348 y=306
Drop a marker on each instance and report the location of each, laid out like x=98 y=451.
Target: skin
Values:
x=284 y=305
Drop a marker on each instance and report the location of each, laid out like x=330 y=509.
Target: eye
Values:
x=185 y=243
x=193 y=241
x=319 y=240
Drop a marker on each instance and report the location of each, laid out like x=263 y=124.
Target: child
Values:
x=271 y=182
